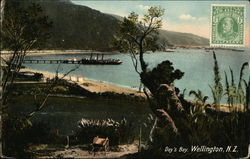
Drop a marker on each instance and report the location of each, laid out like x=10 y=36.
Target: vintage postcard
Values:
x=125 y=79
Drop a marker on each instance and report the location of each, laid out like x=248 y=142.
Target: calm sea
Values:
x=197 y=65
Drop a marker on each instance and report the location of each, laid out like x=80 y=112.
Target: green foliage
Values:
x=230 y=90
x=241 y=96
x=198 y=96
x=139 y=35
x=217 y=89
x=200 y=100
x=247 y=105
x=236 y=94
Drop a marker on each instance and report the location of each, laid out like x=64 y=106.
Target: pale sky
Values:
x=180 y=16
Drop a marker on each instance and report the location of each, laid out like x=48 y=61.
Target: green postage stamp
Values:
x=227 y=25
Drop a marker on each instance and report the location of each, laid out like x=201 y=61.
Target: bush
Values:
x=60 y=89
x=20 y=133
x=220 y=129
x=117 y=132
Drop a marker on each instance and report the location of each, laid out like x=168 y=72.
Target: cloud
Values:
x=190 y=17
x=187 y=17
x=143 y=7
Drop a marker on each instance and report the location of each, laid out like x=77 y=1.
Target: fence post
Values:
x=139 y=146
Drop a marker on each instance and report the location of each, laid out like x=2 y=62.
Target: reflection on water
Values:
x=197 y=65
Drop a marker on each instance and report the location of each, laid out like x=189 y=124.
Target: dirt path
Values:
x=77 y=152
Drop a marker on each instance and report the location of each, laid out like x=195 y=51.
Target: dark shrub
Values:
x=117 y=132
x=20 y=133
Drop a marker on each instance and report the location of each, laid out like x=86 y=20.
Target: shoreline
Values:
x=100 y=87
x=6 y=54
x=59 y=52
x=91 y=85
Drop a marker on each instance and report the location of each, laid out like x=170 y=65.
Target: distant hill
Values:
x=177 y=38
x=80 y=27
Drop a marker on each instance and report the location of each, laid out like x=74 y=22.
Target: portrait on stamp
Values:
x=228 y=28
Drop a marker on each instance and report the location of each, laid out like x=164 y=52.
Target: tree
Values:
x=137 y=36
x=23 y=28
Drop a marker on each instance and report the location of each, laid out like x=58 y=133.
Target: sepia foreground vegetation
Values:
x=176 y=122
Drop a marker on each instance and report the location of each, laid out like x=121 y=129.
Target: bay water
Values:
x=197 y=64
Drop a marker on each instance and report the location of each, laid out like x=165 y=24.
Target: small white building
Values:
x=73 y=78
x=80 y=78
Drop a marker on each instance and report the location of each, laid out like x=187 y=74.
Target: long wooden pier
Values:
x=84 y=61
x=43 y=61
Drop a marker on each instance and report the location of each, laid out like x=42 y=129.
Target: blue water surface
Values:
x=196 y=63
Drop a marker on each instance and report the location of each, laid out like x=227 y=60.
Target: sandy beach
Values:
x=92 y=86
x=101 y=87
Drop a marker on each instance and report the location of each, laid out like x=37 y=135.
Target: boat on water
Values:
x=72 y=59
x=101 y=62
x=93 y=61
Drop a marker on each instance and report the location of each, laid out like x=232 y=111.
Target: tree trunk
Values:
x=143 y=63
x=172 y=119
